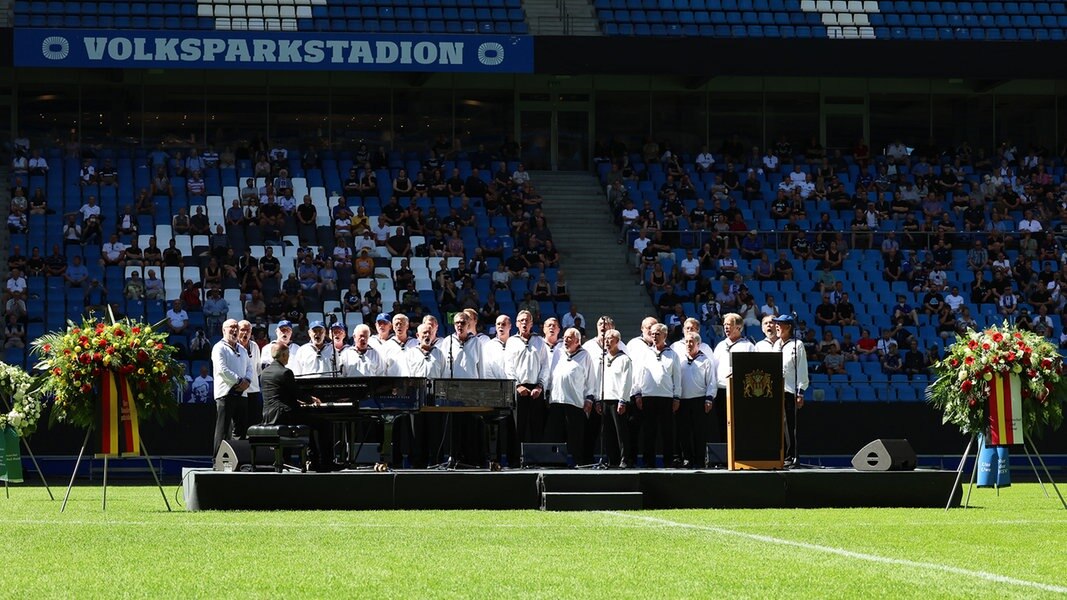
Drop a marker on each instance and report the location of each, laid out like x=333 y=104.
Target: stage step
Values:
x=590 y=481
x=592 y=501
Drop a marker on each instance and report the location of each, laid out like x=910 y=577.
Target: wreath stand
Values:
x=26 y=445
x=974 y=471
x=103 y=506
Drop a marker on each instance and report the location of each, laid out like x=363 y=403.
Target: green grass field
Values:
x=1014 y=545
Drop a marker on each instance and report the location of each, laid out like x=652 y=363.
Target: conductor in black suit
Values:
x=282 y=397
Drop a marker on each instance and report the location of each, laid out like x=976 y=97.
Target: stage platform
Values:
x=566 y=489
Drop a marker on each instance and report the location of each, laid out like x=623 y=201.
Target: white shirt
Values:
x=113 y=251
x=618 y=380
x=798 y=177
x=705 y=160
x=575 y=320
x=177 y=318
x=765 y=345
x=312 y=362
x=229 y=366
x=16 y=285
x=417 y=363
x=629 y=215
x=463 y=358
x=254 y=355
x=361 y=364
x=770 y=161
x=640 y=244
x=690 y=266
x=657 y=373
x=527 y=361
x=1031 y=225
x=722 y=357
x=572 y=380
x=393 y=353
x=89 y=211
x=378 y=343
x=699 y=375
x=794 y=365
x=680 y=349
x=954 y=301
x=594 y=349
x=266 y=358
x=494 y=356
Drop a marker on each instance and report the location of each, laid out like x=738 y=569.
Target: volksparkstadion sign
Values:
x=272 y=50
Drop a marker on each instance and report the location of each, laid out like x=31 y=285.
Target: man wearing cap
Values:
x=283 y=335
x=314 y=359
x=232 y=372
x=735 y=341
x=795 y=371
x=384 y=326
x=361 y=359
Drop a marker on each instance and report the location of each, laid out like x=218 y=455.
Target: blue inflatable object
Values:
x=994 y=465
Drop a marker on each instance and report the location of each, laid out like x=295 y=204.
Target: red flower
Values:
x=1010 y=357
x=986 y=346
x=97 y=356
x=972 y=344
x=135 y=330
x=118 y=331
x=110 y=350
x=966 y=386
x=57 y=371
x=1018 y=335
x=954 y=362
x=100 y=327
x=159 y=346
x=998 y=337
x=1045 y=363
x=84 y=359
x=76 y=331
x=86 y=388
x=47 y=347
x=66 y=352
x=83 y=341
x=126 y=369
x=973 y=403
x=142 y=356
x=969 y=360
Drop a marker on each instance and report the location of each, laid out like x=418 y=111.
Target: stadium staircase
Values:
x=585 y=490
x=561 y=17
x=599 y=283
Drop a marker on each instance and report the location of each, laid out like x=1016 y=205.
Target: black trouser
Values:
x=529 y=418
x=321 y=451
x=658 y=418
x=616 y=433
x=717 y=431
x=246 y=411
x=691 y=435
x=566 y=422
x=591 y=435
x=790 y=401
x=635 y=418
x=225 y=409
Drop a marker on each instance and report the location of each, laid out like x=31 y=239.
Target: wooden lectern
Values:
x=755 y=414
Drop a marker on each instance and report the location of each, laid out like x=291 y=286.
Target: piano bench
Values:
x=280 y=437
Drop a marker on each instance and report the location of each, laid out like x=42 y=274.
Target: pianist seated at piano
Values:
x=361 y=360
x=282 y=400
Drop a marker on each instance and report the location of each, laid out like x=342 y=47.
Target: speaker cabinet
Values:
x=544 y=455
x=885 y=455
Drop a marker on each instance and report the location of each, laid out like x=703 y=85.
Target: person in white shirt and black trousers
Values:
x=572 y=388
x=232 y=372
x=795 y=370
x=657 y=385
x=700 y=384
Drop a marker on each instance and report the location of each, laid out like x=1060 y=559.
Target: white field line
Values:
x=983 y=575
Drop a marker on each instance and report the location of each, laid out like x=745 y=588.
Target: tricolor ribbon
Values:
x=119 y=430
x=1005 y=411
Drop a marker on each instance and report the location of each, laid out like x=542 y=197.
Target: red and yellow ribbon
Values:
x=1005 y=411
x=119 y=431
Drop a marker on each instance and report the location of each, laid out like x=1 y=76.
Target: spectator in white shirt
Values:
x=705 y=160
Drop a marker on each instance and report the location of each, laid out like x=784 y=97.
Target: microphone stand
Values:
x=602 y=462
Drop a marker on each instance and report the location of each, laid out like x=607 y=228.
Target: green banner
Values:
x=10 y=456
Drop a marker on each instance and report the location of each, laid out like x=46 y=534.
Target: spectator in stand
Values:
x=825 y=312
x=177 y=318
x=14 y=332
x=866 y=346
x=195 y=186
x=363 y=265
x=914 y=360
x=76 y=274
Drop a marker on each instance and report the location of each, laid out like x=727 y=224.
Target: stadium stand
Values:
x=849 y=19
x=350 y=16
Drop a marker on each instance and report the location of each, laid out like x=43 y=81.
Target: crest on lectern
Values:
x=757 y=384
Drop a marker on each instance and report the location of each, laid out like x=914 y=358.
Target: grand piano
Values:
x=347 y=401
